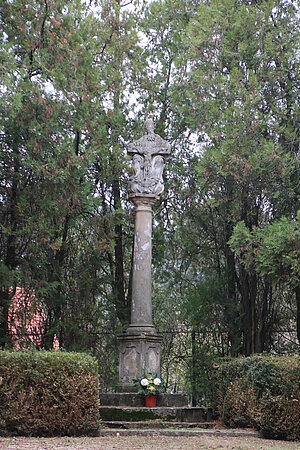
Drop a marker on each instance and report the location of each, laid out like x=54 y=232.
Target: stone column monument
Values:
x=140 y=345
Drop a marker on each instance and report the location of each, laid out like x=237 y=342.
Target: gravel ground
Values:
x=155 y=442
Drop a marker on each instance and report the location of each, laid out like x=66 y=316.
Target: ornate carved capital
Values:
x=148 y=163
x=144 y=201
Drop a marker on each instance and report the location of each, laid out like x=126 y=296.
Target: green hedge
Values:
x=261 y=391
x=48 y=394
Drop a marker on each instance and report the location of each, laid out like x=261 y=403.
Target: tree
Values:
x=53 y=124
x=238 y=92
x=273 y=252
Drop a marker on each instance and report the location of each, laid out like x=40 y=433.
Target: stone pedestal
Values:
x=138 y=353
x=140 y=345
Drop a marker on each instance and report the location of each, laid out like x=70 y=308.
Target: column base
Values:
x=137 y=329
x=139 y=352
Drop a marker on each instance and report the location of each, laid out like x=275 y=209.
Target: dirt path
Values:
x=207 y=442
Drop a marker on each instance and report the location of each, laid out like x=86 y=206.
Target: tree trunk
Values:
x=123 y=310
x=266 y=319
x=231 y=306
x=55 y=304
x=248 y=291
x=194 y=381
x=4 y=302
x=10 y=260
x=297 y=290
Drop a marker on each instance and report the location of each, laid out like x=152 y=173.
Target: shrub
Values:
x=48 y=393
x=261 y=391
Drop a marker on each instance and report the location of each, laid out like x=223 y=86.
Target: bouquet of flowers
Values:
x=149 y=384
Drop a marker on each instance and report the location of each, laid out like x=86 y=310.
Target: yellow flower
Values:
x=151 y=388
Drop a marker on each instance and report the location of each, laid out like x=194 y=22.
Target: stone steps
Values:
x=124 y=413
x=137 y=414
x=157 y=424
x=175 y=432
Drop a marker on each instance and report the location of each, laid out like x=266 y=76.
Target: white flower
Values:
x=157 y=381
x=144 y=382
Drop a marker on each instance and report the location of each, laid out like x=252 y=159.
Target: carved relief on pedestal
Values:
x=148 y=163
x=129 y=361
x=138 y=354
x=153 y=358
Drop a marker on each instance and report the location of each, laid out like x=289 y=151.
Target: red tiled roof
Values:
x=27 y=321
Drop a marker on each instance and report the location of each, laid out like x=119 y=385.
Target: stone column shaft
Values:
x=140 y=346
x=141 y=308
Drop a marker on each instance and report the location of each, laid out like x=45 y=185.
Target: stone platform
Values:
x=133 y=399
x=213 y=431
x=157 y=424
x=126 y=410
x=166 y=414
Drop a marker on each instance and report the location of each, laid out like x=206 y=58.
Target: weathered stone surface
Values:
x=141 y=308
x=148 y=163
x=134 y=399
x=122 y=413
x=157 y=424
x=138 y=352
x=140 y=346
x=220 y=434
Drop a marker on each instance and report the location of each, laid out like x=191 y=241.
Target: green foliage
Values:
x=60 y=209
x=203 y=305
x=238 y=98
x=201 y=312
x=198 y=373
x=262 y=391
x=273 y=251
x=148 y=384
x=48 y=394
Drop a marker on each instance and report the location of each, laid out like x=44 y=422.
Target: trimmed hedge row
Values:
x=48 y=394
x=261 y=391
